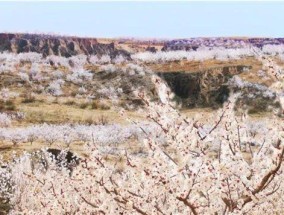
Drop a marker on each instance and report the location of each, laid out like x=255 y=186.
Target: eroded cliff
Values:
x=56 y=45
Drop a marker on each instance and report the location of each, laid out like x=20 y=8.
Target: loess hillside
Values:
x=69 y=80
x=145 y=112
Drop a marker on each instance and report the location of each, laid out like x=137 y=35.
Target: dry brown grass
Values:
x=278 y=61
x=47 y=109
x=194 y=66
x=131 y=45
x=59 y=113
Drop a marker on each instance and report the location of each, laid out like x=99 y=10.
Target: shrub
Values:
x=102 y=120
x=70 y=102
x=88 y=121
x=104 y=106
x=95 y=105
x=84 y=105
x=54 y=87
x=8 y=105
x=79 y=76
x=2 y=105
x=73 y=93
x=28 y=98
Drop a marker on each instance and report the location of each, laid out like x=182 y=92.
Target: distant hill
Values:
x=68 y=46
x=57 y=45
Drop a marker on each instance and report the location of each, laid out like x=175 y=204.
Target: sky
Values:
x=145 y=19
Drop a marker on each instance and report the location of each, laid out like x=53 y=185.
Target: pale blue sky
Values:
x=145 y=19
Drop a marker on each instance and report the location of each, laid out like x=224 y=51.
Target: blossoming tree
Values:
x=225 y=164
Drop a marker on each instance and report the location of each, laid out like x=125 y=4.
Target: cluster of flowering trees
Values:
x=80 y=76
x=51 y=134
x=273 y=49
x=9 y=60
x=237 y=82
x=182 y=176
x=207 y=53
x=277 y=73
x=48 y=74
x=224 y=164
x=200 y=54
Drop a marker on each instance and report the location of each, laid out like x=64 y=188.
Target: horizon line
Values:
x=133 y=37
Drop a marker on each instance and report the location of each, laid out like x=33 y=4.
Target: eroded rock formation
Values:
x=202 y=88
x=56 y=45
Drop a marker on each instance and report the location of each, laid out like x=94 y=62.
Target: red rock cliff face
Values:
x=57 y=45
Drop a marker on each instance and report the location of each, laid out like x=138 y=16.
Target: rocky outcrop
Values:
x=195 y=43
x=202 y=88
x=211 y=88
x=56 y=45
